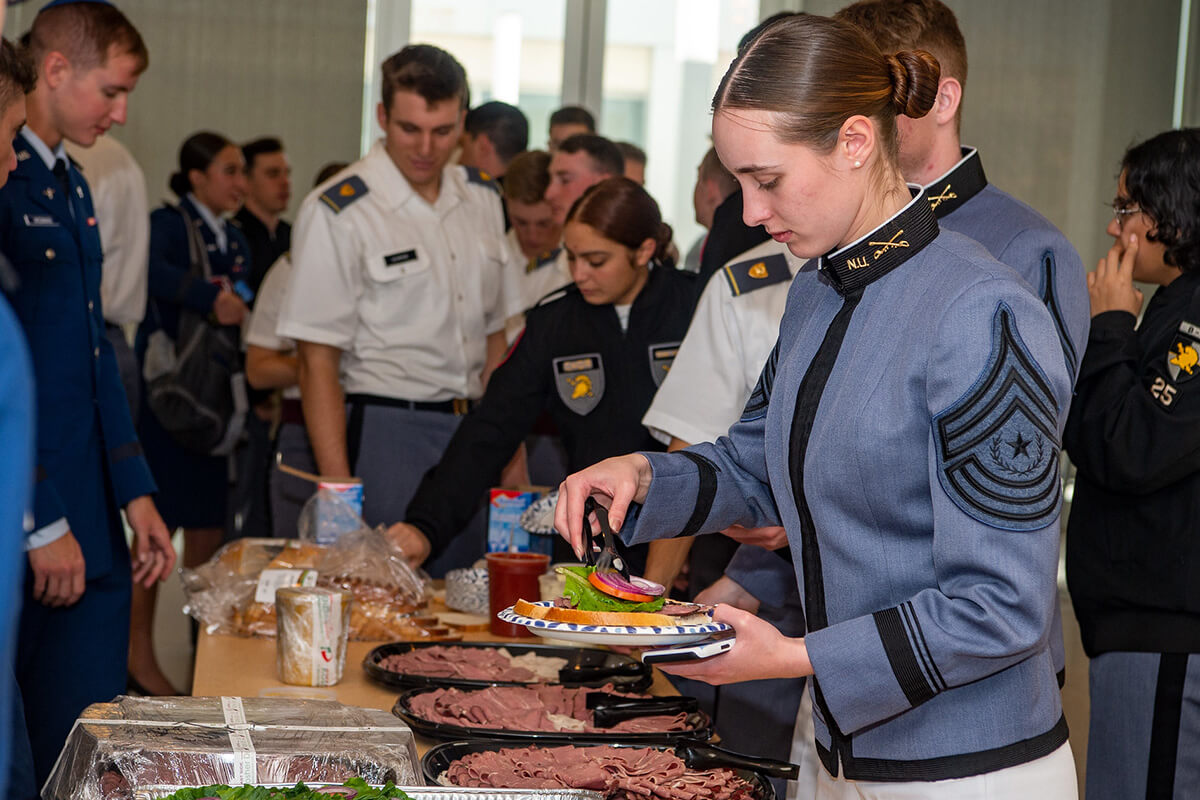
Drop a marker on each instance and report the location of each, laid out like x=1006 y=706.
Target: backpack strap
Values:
x=197 y=251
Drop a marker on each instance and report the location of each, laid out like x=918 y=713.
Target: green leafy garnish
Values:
x=588 y=598
x=297 y=792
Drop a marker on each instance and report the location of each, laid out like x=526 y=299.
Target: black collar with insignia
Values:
x=964 y=180
x=883 y=249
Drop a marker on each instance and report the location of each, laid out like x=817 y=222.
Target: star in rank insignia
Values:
x=1183 y=357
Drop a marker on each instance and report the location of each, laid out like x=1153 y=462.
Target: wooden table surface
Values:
x=234 y=666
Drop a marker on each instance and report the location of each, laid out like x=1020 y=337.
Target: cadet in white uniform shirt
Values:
x=396 y=299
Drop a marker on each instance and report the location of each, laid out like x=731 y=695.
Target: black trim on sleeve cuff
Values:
x=705 y=493
x=125 y=452
x=903 y=660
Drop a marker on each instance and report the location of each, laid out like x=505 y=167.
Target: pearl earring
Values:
x=857 y=163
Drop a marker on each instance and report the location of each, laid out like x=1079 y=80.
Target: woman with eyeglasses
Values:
x=1133 y=555
x=905 y=433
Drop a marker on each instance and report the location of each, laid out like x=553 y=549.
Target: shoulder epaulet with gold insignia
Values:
x=746 y=276
x=343 y=193
x=476 y=175
x=549 y=257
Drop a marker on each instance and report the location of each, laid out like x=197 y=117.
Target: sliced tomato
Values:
x=612 y=591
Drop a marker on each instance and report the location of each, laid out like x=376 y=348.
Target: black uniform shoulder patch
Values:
x=343 y=193
x=760 y=398
x=746 y=276
x=476 y=175
x=997 y=446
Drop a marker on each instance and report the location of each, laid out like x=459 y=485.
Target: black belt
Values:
x=458 y=406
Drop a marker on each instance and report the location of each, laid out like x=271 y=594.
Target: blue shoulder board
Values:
x=344 y=193
x=746 y=276
x=549 y=257
x=476 y=175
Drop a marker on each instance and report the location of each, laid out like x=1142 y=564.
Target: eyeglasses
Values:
x=1122 y=211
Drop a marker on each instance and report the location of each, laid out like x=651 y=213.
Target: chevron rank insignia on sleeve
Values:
x=746 y=276
x=344 y=193
x=997 y=447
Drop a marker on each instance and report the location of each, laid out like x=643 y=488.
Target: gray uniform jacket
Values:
x=905 y=431
x=1016 y=235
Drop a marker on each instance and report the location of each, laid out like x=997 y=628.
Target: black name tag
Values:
x=400 y=258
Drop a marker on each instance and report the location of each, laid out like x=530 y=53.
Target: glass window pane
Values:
x=662 y=63
x=512 y=50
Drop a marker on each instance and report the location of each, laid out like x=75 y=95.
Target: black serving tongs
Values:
x=584 y=666
x=609 y=709
x=609 y=560
x=699 y=755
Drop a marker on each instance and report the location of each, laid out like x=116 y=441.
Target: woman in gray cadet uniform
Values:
x=905 y=432
x=1134 y=434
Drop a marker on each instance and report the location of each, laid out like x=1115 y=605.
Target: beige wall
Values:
x=244 y=68
x=1056 y=91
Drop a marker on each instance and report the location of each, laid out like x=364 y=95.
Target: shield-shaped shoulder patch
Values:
x=1184 y=353
x=579 y=380
x=997 y=447
x=662 y=355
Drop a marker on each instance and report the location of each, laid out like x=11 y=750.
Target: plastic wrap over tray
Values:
x=117 y=748
x=428 y=793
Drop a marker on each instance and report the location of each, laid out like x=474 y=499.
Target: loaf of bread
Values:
x=314 y=624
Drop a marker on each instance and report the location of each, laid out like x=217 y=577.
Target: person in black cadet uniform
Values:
x=268 y=190
x=89 y=462
x=1134 y=434
x=904 y=432
x=193 y=488
x=592 y=355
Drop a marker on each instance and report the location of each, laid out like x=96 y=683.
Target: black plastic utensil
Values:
x=610 y=709
x=609 y=560
x=578 y=671
x=705 y=756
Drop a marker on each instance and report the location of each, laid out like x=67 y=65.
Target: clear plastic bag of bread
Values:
x=233 y=593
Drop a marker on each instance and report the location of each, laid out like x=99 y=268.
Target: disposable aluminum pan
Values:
x=421 y=793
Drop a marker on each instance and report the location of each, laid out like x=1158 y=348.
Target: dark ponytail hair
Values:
x=197 y=152
x=621 y=210
x=1162 y=176
x=817 y=72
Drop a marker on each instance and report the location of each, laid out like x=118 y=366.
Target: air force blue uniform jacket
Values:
x=1018 y=236
x=88 y=460
x=905 y=431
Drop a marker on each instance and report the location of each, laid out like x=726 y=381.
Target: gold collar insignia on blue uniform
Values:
x=549 y=257
x=965 y=180
x=344 y=193
x=885 y=248
x=746 y=276
x=476 y=175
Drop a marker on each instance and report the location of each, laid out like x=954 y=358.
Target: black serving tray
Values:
x=639 y=680
x=701 y=728
x=439 y=758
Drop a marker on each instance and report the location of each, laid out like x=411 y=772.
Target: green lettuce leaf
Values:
x=588 y=598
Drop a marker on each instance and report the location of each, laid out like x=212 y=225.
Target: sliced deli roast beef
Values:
x=619 y=773
x=474 y=663
x=533 y=708
x=684 y=609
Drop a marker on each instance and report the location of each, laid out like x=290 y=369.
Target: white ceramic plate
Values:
x=630 y=635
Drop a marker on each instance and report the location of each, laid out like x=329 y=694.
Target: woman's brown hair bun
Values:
x=914 y=76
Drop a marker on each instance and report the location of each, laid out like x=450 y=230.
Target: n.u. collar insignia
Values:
x=343 y=193
x=1183 y=356
x=964 y=180
x=478 y=176
x=579 y=380
x=755 y=273
x=885 y=248
x=997 y=447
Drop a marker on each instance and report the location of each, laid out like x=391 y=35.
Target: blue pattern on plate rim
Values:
x=508 y=615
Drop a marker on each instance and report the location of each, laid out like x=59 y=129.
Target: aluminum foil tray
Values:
x=424 y=793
